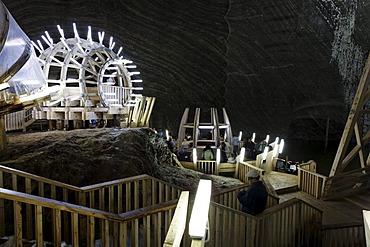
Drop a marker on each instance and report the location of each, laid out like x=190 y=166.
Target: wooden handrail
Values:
x=178 y=223
x=313 y=173
x=38 y=178
x=50 y=203
x=114 y=182
x=253 y=166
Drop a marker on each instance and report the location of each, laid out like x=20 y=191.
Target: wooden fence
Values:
x=351 y=235
x=291 y=223
x=117 y=196
x=229 y=197
x=211 y=167
x=309 y=181
x=85 y=226
x=18 y=120
x=347 y=183
x=244 y=167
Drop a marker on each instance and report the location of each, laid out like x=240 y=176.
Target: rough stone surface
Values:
x=90 y=156
x=278 y=67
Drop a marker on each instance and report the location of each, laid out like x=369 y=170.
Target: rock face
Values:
x=282 y=68
x=91 y=156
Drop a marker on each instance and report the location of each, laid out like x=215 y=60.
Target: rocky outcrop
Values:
x=90 y=156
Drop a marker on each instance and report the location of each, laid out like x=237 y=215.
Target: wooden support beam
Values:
x=352 y=121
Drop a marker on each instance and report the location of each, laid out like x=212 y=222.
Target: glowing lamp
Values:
x=240 y=135
x=218 y=156
x=242 y=153
x=267 y=139
x=253 y=137
x=281 y=146
x=265 y=151
x=195 y=156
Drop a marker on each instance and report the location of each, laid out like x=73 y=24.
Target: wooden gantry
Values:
x=192 y=123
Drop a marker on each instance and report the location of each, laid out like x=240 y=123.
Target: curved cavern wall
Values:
x=282 y=67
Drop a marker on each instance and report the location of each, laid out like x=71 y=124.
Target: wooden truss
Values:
x=353 y=128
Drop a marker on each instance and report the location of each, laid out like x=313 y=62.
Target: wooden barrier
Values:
x=291 y=223
x=347 y=183
x=229 y=197
x=207 y=166
x=344 y=235
x=245 y=167
x=19 y=120
x=309 y=181
x=117 y=196
x=211 y=167
x=128 y=194
x=135 y=228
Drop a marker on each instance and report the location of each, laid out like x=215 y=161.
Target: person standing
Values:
x=254 y=199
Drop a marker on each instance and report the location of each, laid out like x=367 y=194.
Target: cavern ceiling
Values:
x=282 y=67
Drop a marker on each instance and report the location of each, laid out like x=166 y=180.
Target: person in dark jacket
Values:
x=253 y=199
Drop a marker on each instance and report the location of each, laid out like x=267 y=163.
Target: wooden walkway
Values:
x=340 y=211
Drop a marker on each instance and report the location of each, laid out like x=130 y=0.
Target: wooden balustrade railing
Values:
x=349 y=234
x=347 y=183
x=207 y=166
x=140 y=191
x=245 y=167
x=309 y=181
x=117 y=196
x=85 y=225
x=291 y=223
x=229 y=197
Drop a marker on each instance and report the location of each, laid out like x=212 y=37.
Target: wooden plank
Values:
x=18 y=235
x=105 y=235
x=38 y=227
x=91 y=231
x=57 y=227
x=14 y=182
x=123 y=234
x=178 y=223
x=111 y=199
x=74 y=226
x=119 y=199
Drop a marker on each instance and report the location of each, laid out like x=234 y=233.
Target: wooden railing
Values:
x=347 y=183
x=85 y=225
x=309 y=181
x=128 y=194
x=350 y=234
x=18 y=120
x=211 y=167
x=207 y=166
x=117 y=196
x=244 y=167
x=291 y=223
x=117 y=95
x=229 y=197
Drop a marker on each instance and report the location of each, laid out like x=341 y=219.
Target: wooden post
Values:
x=2 y=133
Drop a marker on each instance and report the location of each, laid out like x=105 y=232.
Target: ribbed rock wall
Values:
x=279 y=67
